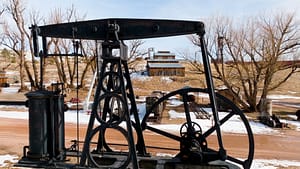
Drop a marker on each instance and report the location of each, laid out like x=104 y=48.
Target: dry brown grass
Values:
x=145 y=87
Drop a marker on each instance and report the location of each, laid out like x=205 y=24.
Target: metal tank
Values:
x=39 y=108
x=46 y=125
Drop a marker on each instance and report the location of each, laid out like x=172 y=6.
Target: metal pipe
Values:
x=212 y=96
x=42 y=55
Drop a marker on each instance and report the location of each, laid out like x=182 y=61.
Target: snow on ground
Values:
x=9 y=89
x=273 y=164
x=6 y=159
x=233 y=125
x=277 y=97
x=140 y=77
x=166 y=79
x=293 y=122
x=70 y=115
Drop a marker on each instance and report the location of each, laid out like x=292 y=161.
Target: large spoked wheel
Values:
x=228 y=114
x=115 y=155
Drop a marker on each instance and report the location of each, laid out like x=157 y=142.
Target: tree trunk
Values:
x=22 y=73
x=33 y=84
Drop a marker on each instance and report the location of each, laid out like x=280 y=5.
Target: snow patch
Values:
x=5 y=159
x=233 y=125
x=276 y=97
x=10 y=89
x=140 y=77
x=273 y=164
x=166 y=79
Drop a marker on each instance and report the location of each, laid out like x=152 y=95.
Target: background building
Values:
x=163 y=63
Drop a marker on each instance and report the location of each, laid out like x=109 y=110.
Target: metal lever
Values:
x=126 y=28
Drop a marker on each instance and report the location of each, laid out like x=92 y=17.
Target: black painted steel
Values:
x=114 y=89
x=210 y=154
x=46 y=125
x=39 y=133
x=127 y=29
x=58 y=125
x=212 y=95
x=20 y=103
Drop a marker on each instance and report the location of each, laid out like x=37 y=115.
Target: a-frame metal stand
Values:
x=114 y=89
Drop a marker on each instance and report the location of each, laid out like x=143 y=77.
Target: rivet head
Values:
x=155 y=28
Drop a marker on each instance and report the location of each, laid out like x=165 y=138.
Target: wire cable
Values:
x=77 y=96
x=76 y=48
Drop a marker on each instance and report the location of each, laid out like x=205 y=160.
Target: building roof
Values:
x=162 y=60
x=164 y=54
x=165 y=65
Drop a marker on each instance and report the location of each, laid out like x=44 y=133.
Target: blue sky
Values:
x=171 y=9
x=167 y=9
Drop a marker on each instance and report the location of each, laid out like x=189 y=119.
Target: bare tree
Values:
x=89 y=58
x=67 y=65
x=249 y=59
x=1 y=10
x=15 y=39
x=135 y=53
x=33 y=64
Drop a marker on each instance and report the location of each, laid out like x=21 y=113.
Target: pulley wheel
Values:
x=116 y=154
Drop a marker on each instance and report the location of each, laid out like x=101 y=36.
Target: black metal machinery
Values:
x=46 y=126
x=114 y=106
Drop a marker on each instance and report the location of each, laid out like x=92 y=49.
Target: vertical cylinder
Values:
x=38 y=104
x=59 y=126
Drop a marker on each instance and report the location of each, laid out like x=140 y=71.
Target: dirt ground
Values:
x=14 y=135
